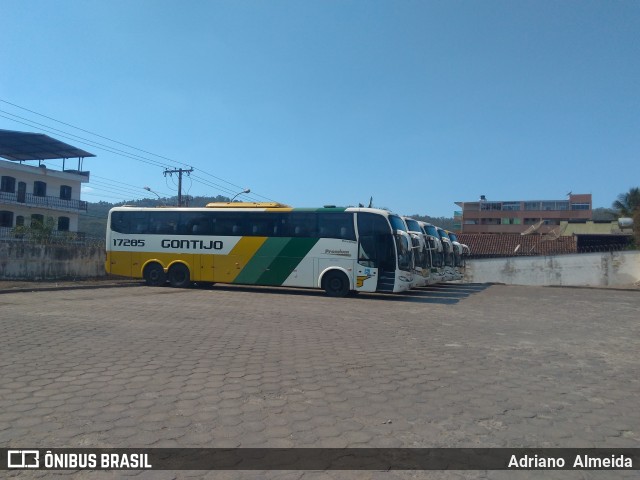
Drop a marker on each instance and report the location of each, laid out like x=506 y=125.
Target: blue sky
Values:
x=416 y=103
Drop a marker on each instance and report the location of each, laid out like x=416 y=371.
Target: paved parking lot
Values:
x=448 y=366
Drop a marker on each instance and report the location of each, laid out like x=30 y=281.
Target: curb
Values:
x=66 y=287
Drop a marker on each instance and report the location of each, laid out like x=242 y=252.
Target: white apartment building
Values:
x=31 y=191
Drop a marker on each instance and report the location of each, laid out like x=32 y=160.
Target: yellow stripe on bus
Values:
x=225 y=268
x=279 y=209
x=202 y=267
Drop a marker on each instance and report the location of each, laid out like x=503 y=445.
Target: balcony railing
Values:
x=53 y=203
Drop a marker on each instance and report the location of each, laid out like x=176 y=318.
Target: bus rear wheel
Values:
x=154 y=275
x=179 y=276
x=335 y=284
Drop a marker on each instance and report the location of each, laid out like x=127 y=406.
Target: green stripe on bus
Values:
x=261 y=260
x=290 y=256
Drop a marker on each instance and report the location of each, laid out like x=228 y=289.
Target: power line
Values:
x=208 y=183
x=89 y=132
x=124 y=183
x=86 y=141
x=115 y=189
x=101 y=195
x=107 y=148
x=76 y=138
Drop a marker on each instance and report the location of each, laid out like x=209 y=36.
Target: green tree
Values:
x=628 y=205
x=604 y=214
x=628 y=202
x=38 y=231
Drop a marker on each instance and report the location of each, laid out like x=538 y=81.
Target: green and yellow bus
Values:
x=340 y=250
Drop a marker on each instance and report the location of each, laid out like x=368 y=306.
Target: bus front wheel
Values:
x=335 y=284
x=154 y=275
x=179 y=276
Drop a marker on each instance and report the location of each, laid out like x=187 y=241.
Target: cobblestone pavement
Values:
x=447 y=366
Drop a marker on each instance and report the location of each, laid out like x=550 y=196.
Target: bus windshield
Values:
x=413 y=225
x=431 y=230
x=397 y=223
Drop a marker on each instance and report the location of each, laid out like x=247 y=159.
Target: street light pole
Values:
x=148 y=189
x=246 y=190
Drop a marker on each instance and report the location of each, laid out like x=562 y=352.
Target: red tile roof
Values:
x=487 y=244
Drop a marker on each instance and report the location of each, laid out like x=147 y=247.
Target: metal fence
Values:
x=54 y=237
x=548 y=252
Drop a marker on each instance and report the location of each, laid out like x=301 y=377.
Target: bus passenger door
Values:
x=366 y=278
x=367 y=271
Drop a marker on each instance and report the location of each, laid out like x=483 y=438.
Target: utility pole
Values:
x=179 y=171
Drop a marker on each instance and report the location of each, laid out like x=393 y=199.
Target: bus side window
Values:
x=346 y=228
x=225 y=223
x=202 y=227
x=256 y=224
x=259 y=229
x=119 y=222
x=139 y=222
x=304 y=224
x=194 y=223
x=280 y=224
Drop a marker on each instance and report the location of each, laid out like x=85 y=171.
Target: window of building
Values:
x=39 y=189
x=532 y=205
x=510 y=221
x=8 y=184
x=22 y=192
x=511 y=206
x=36 y=218
x=560 y=205
x=6 y=218
x=63 y=224
x=65 y=192
x=491 y=206
x=580 y=206
x=489 y=221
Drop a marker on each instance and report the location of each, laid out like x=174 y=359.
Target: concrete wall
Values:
x=27 y=261
x=614 y=269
